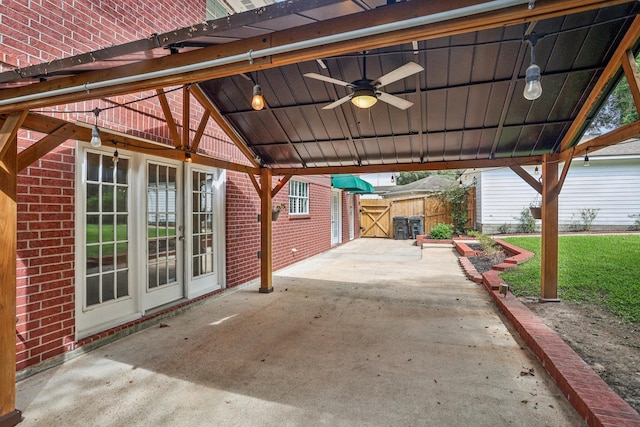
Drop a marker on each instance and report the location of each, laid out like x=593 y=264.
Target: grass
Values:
x=597 y=269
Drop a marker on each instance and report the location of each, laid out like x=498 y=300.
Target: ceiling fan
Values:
x=365 y=92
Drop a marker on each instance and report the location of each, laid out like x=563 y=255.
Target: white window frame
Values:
x=298 y=197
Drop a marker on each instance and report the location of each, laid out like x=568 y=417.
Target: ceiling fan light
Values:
x=364 y=98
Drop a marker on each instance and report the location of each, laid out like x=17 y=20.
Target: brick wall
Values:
x=45 y=258
x=36 y=31
x=308 y=234
x=33 y=32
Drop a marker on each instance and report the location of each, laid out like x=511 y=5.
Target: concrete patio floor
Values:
x=374 y=332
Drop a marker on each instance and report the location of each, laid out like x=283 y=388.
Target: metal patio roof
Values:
x=468 y=102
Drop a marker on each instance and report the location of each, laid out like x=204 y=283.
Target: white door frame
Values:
x=350 y=209
x=203 y=284
x=336 y=217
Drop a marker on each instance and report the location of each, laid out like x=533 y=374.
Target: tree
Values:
x=409 y=177
x=619 y=109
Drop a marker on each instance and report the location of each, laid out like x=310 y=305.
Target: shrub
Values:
x=441 y=231
x=489 y=246
x=588 y=215
x=526 y=222
x=504 y=228
x=457 y=200
x=636 y=222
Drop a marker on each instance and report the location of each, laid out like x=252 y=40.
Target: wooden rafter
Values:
x=57 y=128
x=526 y=176
x=9 y=130
x=411 y=167
x=35 y=151
x=204 y=100
x=168 y=115
x=630 y=130
x=612 y=68
x=281 y=183
x=201 y=128
x=186 y=117
x=255 y=183
x=565 y=170
x=633 y=76
x=379 y=16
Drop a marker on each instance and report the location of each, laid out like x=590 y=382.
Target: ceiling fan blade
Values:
x=400 y=73
x=327 y=79
x=397 y=102
x=338 y=102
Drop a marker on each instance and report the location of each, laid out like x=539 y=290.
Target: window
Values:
x=298 y=197
x=216 y=9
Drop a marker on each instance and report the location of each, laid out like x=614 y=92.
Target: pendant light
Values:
x=257 y=101
x=95 y=132
x=533 y=87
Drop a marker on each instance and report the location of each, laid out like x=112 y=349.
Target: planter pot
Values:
x=275 y=215
x=536 y=213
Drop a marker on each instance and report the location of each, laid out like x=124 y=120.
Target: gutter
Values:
x=249 y=56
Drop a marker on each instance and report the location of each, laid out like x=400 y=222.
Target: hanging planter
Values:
x=275 y=212
x=536 y=212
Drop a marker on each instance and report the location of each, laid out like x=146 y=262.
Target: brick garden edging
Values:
x=592 y=398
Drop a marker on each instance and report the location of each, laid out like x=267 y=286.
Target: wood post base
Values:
x=11 y=419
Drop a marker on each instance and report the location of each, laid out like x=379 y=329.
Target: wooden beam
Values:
x=186 y=116
x=526 y=176
x=168 y=115
x=565 y=170
x=8 y=241
x=630 y=130
x=226 y=127
x=266 y=230
x=612 y=68
x=82 y=131
x=280 y=184
x=255 y=184
x=410 y=167
x=549 y=258
x=201 y=128
x=633 y=76
x=378 y=16
x=9 y=130
x=41 y=148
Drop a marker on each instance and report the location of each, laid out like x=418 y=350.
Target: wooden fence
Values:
x=376 y=215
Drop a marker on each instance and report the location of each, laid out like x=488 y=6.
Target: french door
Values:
x=205 y=246
x=148 y=233
x=165 y=233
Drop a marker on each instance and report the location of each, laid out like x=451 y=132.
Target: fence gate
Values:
x=376 y=215
x=375 y=218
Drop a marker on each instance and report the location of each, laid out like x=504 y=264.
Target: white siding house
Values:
x=610 y=184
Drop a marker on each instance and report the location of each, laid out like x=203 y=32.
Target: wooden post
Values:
x=9 y=416
x=266 y=252
x=550 y=191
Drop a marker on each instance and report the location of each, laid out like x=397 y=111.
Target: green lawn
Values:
x=600 y=269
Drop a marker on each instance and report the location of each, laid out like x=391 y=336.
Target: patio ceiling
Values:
x=468 y=108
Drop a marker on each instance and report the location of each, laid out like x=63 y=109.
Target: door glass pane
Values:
x=122 y=172
x=107 y=240
x=107 y=198
x=202 y=206
x=93 y=290
x=123 y=283
x=162 y=218
x=108 y=290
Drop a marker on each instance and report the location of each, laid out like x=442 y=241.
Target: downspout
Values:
x=291 y=47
